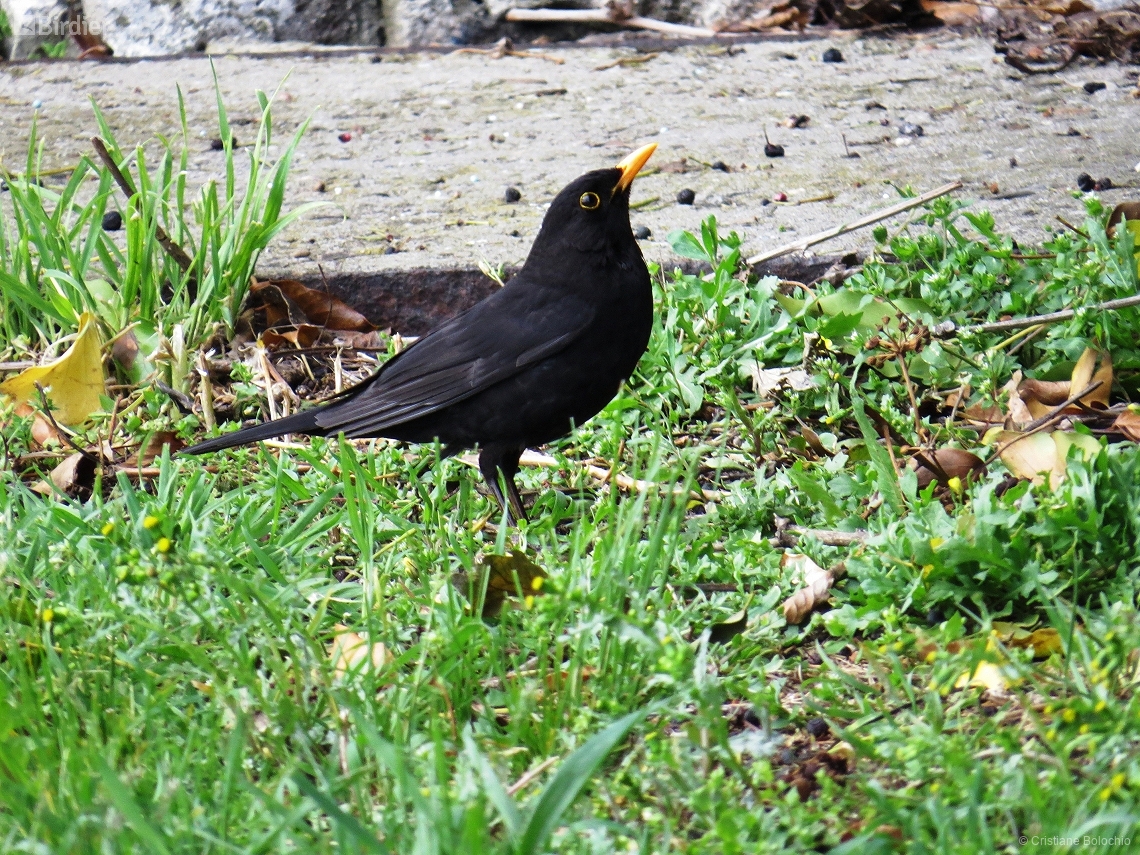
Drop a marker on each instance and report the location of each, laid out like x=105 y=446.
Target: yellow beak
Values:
x=631 y=164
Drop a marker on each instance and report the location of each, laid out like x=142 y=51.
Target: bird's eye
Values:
x=589 y=201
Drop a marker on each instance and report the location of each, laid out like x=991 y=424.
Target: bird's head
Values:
x=591 y=214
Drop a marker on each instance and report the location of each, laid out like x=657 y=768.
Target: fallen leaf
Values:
x=767 y=381
x=816 y=583
x=951 y=14
x=1044 y=642
x=506 y=576
x=302 y=336
x=350 y=652
x=1035 y=456
x=74 y=477
x=1128 y=423
x=1019 y=413
x=1129 y=213
x=44 y=433
x=1083 y=375
x=942 y=464
x=724 y=632
x=73 y=382
x=304 y=304
x=152 y=449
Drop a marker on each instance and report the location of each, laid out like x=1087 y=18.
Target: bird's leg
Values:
x=497 y=458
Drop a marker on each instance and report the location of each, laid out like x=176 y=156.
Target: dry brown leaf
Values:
x=817 y=584
x=1048 y=392
x=304 y=335
x=44 y=433
x=951 y=14
x=1083 y=375
x=73 y=382
x=74 y=477
x=290 y=301
x=942 y=464
x=1124 y=211
x=1019 y=414
x=155 y=442
x=1128 y=423
x=350 y=652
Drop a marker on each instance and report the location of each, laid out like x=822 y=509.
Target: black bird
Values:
x=544 y=353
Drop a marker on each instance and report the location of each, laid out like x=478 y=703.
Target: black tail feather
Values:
x=305 y=422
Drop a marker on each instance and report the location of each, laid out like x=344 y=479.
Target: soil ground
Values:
x=437 y=137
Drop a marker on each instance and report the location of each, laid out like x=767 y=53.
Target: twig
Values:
x=949 y=328
x=870 y=219
x=627 y=61
x=604 y=16
x=172 y=249
x=62 y=433
x=522 y=782
x=505 y=47
x=828 y=537
x=1047 y=420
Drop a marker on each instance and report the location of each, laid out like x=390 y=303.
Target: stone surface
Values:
x=436 y=139
x=138 y=28
x=33 y=23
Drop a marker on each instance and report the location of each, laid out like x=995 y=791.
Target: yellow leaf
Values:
x=1083 y=375
x=1064 y=440
x=73 y=382
x=1045 y=642
x=987 y=675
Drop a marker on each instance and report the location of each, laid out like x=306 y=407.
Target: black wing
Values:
x=516 y=327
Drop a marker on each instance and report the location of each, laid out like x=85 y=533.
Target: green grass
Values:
x=167 y=681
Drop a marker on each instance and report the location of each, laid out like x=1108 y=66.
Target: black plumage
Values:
x=520 y=368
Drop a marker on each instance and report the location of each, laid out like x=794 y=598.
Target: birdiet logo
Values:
x=60 y=28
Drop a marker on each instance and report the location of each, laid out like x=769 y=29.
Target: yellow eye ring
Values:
x=589 y=201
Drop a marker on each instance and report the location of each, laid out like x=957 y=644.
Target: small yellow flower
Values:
x=47 y=615
x=1105 y=794
x=1101 y=706
x=1084 y=728
x=536 y=584
x=928 y=568
x=150 y=521
x=935 y=787
x=108 y=527
x=529 y=601
x=1048 y=709
x=163 y=545
x=936 y=542
x=1118 y=780
x=955 y=485
x=1069 y=716
x=1051 y=734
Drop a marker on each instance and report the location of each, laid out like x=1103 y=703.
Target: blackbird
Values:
x=525 y=365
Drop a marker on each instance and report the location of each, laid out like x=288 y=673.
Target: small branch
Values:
x=789 y=537
x=603 y=16
x=949 y=328
x=522 y=782
x=172 y=249
x=1047 y=420
x=870 y=219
